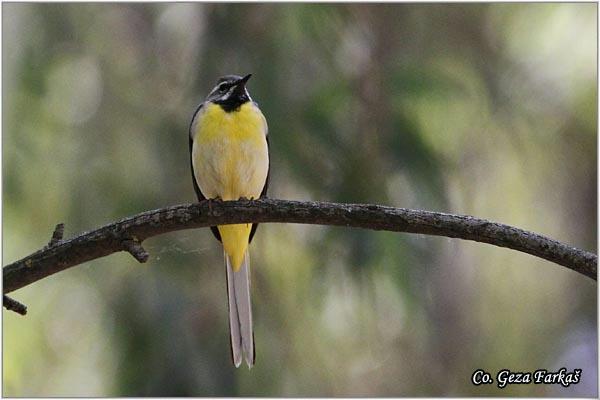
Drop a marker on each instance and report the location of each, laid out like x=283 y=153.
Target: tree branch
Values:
x=57 y=235
x=134 y=247
x=13 y=305
x=128 y=234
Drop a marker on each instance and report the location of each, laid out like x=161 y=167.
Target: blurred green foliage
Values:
x=488 y=110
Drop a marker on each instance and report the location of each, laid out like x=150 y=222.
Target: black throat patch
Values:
x=233 y=103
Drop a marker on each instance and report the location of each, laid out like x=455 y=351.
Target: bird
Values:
x=229 y=157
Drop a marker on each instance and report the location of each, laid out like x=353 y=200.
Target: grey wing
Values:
x=199 y=193
x=264 y=191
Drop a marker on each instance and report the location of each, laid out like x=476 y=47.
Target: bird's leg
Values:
x=216 y=199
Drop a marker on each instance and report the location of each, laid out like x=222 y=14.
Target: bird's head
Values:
x=230 y=92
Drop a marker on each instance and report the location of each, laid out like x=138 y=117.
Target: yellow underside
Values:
x=231 y=160
x=235 y=242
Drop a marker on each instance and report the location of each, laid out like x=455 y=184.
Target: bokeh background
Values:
x=488 y=110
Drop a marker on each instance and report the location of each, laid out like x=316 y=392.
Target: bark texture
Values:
x=129 y=233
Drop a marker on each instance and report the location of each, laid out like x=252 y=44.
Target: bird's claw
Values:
x=210 y=202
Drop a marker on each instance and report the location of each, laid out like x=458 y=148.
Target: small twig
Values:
x=57 y=235
x=13 y=305
x=134 y=247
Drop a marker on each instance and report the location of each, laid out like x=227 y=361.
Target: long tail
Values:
x=240 y=311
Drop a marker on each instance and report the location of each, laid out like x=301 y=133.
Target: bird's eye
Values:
x=222 y=87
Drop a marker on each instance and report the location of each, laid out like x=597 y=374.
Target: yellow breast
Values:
x=229 y=154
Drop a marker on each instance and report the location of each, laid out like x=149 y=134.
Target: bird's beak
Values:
x=240 y=85
x=244 y=80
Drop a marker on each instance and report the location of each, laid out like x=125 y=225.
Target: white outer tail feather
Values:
x=240 y=312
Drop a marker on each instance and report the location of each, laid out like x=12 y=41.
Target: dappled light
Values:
x=487 y=110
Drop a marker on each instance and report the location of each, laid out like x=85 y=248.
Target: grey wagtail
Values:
x=229 y=154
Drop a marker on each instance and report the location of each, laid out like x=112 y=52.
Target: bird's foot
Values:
x=210 y=202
